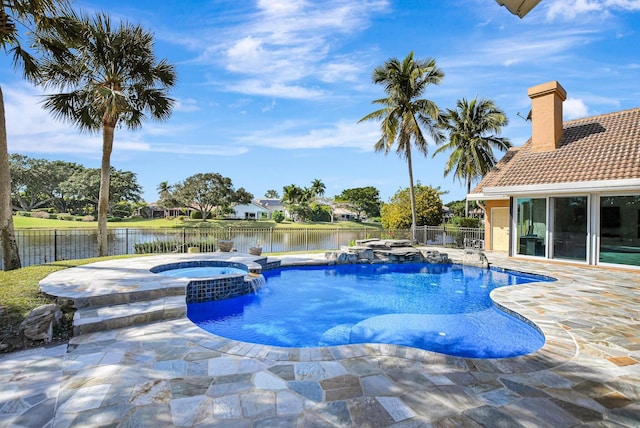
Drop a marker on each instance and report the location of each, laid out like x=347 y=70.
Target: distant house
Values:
x=154 y=211
x=271 y=205
x=250 y=211
x=571 y=192
x=345 y=214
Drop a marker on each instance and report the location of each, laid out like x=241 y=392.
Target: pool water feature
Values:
x=202 y=271
x=210 y=280
x=442 y=308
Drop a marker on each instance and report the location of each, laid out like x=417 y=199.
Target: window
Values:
x=620 y=230
x=532 y=226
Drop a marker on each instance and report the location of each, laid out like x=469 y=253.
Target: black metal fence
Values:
x=38 y=246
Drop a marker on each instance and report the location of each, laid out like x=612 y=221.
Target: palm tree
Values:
x=292 y=194
x=318 y=187
x=34 y=16
x=405 y=115
x=108 y=77
x=473 y=128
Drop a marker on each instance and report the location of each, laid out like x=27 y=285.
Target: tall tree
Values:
x=473 y=128
x=318 y=187
x=209 y=192
x=84 y=187
x=272 y=194
x=396 y=213
x=292 y=194
x=365 y=200
x=32 y=15
x=108 y=77
x=406 y=116
x=37 y=183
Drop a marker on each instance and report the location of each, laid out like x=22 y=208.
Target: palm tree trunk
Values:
x=10 y=254
x=466 y=201
x=412 y=194
x=103 y=198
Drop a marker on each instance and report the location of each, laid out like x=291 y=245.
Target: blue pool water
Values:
x=442 y=308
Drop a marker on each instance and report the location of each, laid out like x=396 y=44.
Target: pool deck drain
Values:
x=172 y=373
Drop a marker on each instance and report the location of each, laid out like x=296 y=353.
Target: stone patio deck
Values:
x=171 y=373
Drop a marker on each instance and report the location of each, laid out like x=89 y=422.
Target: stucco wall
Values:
x=488 y=245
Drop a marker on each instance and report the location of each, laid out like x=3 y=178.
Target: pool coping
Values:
x=96 y=282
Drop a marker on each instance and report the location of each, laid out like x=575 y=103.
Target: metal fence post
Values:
x=55 y=245
x=126 y=240
x=444 y=235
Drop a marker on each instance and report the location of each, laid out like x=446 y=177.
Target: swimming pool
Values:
x=442 y=308
x=202 y=271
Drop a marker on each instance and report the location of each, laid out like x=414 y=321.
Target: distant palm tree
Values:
x=34 y=15
x=473 y=128
x=272 y=194
x=318 y=187
x=109 y=76
x=292 y=194
x=405 y=115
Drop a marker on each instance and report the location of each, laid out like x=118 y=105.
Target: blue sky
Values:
x=270 y=92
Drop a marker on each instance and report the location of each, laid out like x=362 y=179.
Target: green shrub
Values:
x=465 y=222
x=24 y=213
x=114 y=219
x=53 y=216
x=278 y=216
x=66 y=217
x=155 y=247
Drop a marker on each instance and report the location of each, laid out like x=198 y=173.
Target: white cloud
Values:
x=269 y=107
x=522 y=48
x=273 y=89
x=51 y=136
x=288 y=41
x=343 y=134
x=281 y=7
x=574 y=108
x=340 y=71
x=186 y=105
x=570 y=9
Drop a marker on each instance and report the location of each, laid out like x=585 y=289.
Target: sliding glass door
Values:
x=532 y=226
x=570 y=228
x=620 y=230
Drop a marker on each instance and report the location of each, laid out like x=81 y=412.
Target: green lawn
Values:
x=19 y=294
x=21 y=222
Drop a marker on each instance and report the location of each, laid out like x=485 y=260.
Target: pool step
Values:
x=100 y=318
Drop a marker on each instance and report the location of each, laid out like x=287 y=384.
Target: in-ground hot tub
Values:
x=213 y=279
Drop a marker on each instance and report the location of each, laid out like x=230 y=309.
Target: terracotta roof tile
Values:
x=605 y=147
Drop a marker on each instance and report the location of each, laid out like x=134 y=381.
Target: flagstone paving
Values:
x=171 y=373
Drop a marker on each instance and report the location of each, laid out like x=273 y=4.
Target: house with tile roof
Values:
x=571 y=192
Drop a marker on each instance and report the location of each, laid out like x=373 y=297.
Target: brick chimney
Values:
x=546 y=115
